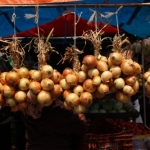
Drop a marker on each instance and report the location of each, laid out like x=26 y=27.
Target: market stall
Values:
x=87 y=54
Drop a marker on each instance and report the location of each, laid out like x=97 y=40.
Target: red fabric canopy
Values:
x=9 y=2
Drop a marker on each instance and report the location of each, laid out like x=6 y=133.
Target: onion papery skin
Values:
x=23 y=72
x=127 y=89
x=81 y=76
x=36 y=75
x=22 y=106
x=8 y=90
x=136 y=87
x=116 y=71
x=93 y=72
x=88 y=86
x=12 y=78
x=138 y=68
x=20 y=96
x=24 y=84
x=122 y=97
x=106 y=76
x=64 y=84
x=66 y=92
x=119 y=83
x=86 y=99
x=72 y=100
x=116 y=58
x=44 y=98
x=31 y=97
x=103 y=88
x=71 y=79
x=130 y=80
x=97 y=94
x=102 y=66
x=89 y=61
x=56 y=77
x=67 y=71
x=10 y=102
x=35 y=87
x=80 y=109
x=46 y=71
x=1 y=87
x=47 y=84
x=67 y=107
x=84 y=68
x=96 y=80
x=146 y=74
x=56 y=91
x=128 y=67
x=78 y=90
x=103 y=58
x=30 y=72
x=2 y=77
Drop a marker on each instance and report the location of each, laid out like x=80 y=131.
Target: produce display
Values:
x=94 y=77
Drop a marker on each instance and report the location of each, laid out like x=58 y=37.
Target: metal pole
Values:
x=78 y=5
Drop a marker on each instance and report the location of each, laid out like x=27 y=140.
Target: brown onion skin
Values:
x=23 y=72
x=89 y=61
x=88 y=86
x=67 y=71
x=12 y=78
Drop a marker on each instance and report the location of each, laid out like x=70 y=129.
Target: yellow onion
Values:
x=36 y=75
x=78 y=90
x=20 y=96
x=1 y=87
x=2 y=77
x=130 y=80
x=122 y=97
x=97 y=94
x=116 y=58
x=102 y=65
x=23 y=84
x=31 y=97
x=44 y=98
x=47 y=84
x=138 y=68
x=22 y=106
x=116 y=71
x=8 y=90
x=88 y=86
x=103 y=88
x=146 y=74
x=93 y=72
x=84 y=68
x=127 y=89
x=23 y=72
x=67 y=107
x=119 y=83
x=136 y=87
x=35 y=87
x=71 y=79
x=67 y=71
x=56 y=91
x=64 y=84
x=106 y=76
x=103 y=58
x=80 y=109
x=86 y=99
x=66 y=92
x=56 y=77
x=89 y=61
x=72 y=100
x=10 y=102
x=46 y=71
x=96 y=80
x=30 y=72
x=12 y=78
x=128 y=67
x=81 y=75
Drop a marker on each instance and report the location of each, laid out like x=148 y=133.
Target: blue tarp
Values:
x=134 y=20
